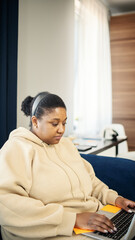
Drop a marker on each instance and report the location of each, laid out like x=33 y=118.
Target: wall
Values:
x=122 y=31
x=46 y=52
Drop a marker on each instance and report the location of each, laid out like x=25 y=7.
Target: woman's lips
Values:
x=58 y=137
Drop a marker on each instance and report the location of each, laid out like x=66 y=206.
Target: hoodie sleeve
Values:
x=20 y=214
x=100 y=190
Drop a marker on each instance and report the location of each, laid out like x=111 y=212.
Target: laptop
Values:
x=124 y=222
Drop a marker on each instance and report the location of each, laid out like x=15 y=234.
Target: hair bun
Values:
x=26 y=105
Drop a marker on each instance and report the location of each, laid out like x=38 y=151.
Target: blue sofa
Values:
x=117 y=173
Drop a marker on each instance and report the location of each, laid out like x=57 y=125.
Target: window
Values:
x=93 y=93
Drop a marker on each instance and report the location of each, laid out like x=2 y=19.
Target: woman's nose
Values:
x=61 y=128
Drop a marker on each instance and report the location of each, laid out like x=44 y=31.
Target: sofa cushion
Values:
x=117 y=173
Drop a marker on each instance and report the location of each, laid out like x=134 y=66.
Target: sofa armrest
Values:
x=117 y=173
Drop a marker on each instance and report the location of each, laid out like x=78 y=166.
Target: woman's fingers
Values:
x=94 y=221
x=101 y=223
x=124 y=203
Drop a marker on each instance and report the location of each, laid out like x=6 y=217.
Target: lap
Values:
x=73 y=237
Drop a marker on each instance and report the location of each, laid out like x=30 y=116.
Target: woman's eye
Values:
x=54 y=124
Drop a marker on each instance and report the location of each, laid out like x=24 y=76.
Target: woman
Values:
x=46 y=188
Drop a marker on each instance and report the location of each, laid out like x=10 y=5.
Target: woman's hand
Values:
x=124 y=203
x=94 y=221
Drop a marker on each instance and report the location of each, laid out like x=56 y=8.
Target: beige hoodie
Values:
x=42 y=187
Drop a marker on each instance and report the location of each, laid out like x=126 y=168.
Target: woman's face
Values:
x=51 y=126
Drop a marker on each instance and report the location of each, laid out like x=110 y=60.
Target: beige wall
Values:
x=46 y=52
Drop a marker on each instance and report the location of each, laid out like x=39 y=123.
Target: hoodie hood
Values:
x=22 y=132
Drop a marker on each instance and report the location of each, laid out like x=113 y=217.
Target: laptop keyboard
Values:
x=122 y=221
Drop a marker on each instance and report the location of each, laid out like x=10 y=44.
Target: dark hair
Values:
x=41 y=104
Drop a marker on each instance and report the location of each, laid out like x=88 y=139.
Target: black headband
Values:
x=37 y=101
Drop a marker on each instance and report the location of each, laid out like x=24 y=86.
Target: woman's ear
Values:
x=34 y=121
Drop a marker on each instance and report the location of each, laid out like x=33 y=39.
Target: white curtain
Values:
x=93 y=93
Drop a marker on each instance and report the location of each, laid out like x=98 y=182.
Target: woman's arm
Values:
x=21 y=214
x=100 y=190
